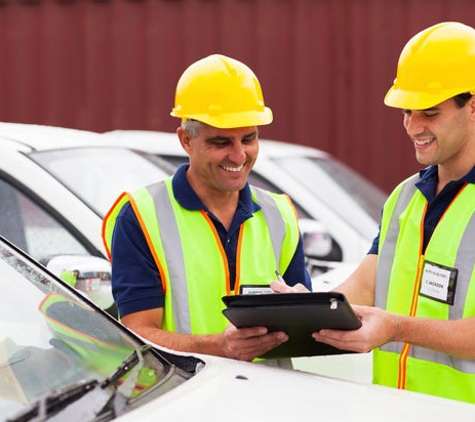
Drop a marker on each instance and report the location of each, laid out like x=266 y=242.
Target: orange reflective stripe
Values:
x=402 y=362
x=238 y=260
x=104 y=234
x=221 y=250
x=402 y=369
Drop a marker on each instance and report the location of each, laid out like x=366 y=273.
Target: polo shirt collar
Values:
x=428 y=181
x=431 y=172
x=187 y=197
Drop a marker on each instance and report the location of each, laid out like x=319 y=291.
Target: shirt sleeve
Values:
x=136 y=284
x=373 y=250
x=297 y=271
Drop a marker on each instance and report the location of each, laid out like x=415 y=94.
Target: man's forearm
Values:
x=454 y=338
x=210 y=344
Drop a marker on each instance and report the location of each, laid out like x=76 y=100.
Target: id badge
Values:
x=438 y=282
x=253 y=289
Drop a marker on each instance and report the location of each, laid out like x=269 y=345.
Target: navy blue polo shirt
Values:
x=437 y=204
x=136 y=283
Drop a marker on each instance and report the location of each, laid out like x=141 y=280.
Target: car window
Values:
x=99 y=175
x=33 y=229
x=343 y=189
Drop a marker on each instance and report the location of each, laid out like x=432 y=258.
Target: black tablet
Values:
x=298 y=314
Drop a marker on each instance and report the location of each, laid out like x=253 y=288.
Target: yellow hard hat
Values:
x=221 y=92
x=436 y=64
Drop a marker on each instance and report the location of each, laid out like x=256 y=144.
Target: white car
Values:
x=55 y=186
x=64 y=359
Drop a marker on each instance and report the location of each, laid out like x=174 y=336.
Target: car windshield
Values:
x=343 y=189
x=52 y=338
x=99 y=175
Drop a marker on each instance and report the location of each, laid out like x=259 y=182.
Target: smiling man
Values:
x=420 y=272
x=179 y=245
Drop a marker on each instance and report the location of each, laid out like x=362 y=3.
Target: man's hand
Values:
x=243 y=344
x=249 y=343
x=379 y=327
x=279 y=287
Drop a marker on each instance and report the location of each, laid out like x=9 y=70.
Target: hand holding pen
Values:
x=280 y=286
x=279 y=277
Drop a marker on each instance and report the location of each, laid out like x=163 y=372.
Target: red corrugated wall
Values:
x=324 y=65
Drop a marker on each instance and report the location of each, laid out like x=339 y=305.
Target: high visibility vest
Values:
x=191 y=259
x=397 y=289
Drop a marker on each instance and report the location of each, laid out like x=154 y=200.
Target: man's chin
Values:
x=233 y=187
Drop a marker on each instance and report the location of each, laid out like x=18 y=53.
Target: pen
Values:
x=279 y=277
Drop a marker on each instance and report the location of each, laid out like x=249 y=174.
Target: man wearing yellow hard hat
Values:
x=179 y=245
x=420 y=271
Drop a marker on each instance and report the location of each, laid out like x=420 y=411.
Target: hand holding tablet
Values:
x=298 y=314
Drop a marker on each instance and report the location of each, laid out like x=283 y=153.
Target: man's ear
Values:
x=471 y=104
x=185 y=139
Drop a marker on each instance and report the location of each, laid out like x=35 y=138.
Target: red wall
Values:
x=325 y=65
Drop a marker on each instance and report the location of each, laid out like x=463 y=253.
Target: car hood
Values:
x=270 y=394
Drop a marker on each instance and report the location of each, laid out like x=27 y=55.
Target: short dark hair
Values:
x=462 y=99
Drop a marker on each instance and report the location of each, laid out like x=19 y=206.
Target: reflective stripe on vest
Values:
x=170 y=237
x=274 y=221
x=408 y=366
x=388 y=239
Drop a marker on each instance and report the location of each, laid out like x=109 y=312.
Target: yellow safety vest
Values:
x=191 y=259
x=400 y=264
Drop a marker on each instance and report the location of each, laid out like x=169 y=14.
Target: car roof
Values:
x=26 y=137
x=167 y=143
x=40 y=137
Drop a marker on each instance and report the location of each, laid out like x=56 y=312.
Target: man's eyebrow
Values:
x=252 y=134
x=230 y=138
x=219 y=138
x=435 y=108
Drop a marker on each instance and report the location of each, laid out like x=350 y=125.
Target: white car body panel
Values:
x=234 y=391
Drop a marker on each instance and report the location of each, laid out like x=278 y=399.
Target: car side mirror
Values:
x=90 y=275
x=317 y=242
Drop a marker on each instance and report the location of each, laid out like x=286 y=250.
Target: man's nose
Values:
x=414 y=124
x=237 y=153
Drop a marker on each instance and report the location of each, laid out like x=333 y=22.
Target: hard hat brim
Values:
x=232 y=120
x=412 y=100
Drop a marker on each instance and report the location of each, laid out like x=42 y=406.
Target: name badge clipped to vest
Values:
x=249 y=289
x=438 y=282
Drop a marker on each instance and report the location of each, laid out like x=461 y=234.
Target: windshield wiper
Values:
x=84 y=400
x=123 y=393
x=127 y=364
x=59 y=398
